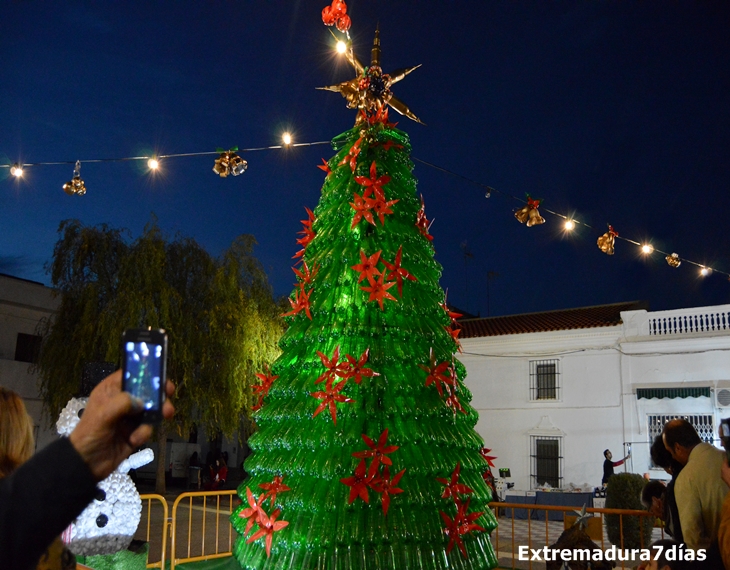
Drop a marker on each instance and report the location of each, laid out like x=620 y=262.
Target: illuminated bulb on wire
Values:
x=341 y=47
x=569 y=225
x=16 y=170
x=286 y=138
x=647 y=248
x=705 y=271
x=153 y=164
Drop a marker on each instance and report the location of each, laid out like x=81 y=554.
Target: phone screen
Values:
x=143 y=372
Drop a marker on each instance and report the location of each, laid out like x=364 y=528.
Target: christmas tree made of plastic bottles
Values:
x=366 y=455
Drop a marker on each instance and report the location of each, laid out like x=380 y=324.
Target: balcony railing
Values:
x=681 y=321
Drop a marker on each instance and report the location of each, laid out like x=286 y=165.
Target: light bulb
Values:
x=341 y=47
x=569 y=225
x=153 y=163
x=705 y=271
x=16 y=170
x=647 y=248
x=286 y=138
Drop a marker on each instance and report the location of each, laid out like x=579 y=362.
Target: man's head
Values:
x=680 y=438
x=652 y=497
x=607 y=454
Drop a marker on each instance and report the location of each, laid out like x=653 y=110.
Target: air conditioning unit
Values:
x=722 y=397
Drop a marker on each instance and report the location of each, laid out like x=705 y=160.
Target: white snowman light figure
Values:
x=108 y=524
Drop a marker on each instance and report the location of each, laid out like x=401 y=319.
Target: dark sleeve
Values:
x=39 y=500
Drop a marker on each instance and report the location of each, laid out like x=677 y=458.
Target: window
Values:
x=547 y=462
x=703 y=423
x=27 y=347
x=544 y=380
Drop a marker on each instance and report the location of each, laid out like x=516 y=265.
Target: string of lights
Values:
x=229 y=162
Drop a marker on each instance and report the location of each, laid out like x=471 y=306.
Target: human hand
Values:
x=106 y=433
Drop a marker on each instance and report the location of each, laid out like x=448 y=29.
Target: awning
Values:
x=649 y=393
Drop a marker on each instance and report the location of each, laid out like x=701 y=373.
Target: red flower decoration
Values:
x=375 y=182
x=276 y=486
x=268 y=525
x=379 y=291
x=362 y=207
x=329 y=397
x=300 y=303
x=452 y=315
x=436 y=374
x=267 y=379
x=367 y=266
x=352 y=155
x=454 y=334
x=333 y=367
x=484 y=451
x=397 y=272
x=381 y=206
x=252 y=512
x=462 y=524
x=387 y=487
x=355 y=368
x=422 y=223
x=304 y=275
x=377 y=451
x=390 y=144
x=360 y=482
x=324 y=166
x=306 y=232
x=453 y=487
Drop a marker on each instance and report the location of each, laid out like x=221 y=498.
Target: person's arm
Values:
x=690 y=513
x=39 y=500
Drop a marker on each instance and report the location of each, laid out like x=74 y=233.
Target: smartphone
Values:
x=725 y=436
x=144 y=369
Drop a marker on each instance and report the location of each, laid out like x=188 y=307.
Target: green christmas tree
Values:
x=366 y=455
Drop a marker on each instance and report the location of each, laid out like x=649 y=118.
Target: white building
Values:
x=554 y=389
x=22 y=305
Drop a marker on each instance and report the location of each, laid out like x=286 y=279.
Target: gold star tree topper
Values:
x=370 y=90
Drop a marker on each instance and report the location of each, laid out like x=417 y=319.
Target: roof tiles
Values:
x=565 y=319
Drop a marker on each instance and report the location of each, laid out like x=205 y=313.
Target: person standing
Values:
x=608 y=465
x=699 y=490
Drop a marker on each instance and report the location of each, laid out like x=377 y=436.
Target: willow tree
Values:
x=219 y=313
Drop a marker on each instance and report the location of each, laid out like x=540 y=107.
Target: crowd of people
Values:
x=695 y=504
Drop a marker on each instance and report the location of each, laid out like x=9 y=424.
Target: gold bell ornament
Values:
x=75 y=185
x=229 y=163
x=529 y=214
x=606 y=241
x=673 y=260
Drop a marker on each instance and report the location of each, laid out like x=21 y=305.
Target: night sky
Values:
x=614 y=112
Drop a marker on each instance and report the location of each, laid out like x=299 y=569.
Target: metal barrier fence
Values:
x=154 y=530
x=199 y=528
x=536 y=533
x=207 y=519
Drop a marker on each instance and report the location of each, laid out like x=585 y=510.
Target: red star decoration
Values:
x=324 y=166
x=304 y=275
x=356 y=367
x=333 y=367
x=422 y=223
x=453 y=487
x=462 y=524
x=397 y=272
x=306 y=232
x=452 y=315
x=252 y=512
x=377 y=451
x=436 y=374
x=454 y=334
x=374 y=182
x=387 y=487
x=360 y=482
x=367 y=266
x=267 y=379
x=300 y=303
x=268 y=525
x=329 y=398
x=380 y=116
x=379 y=291
x=484 y=451
x=381 y=206
x=352 y=155
x=391 y=144
x=363 y=209
x=276 y=486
